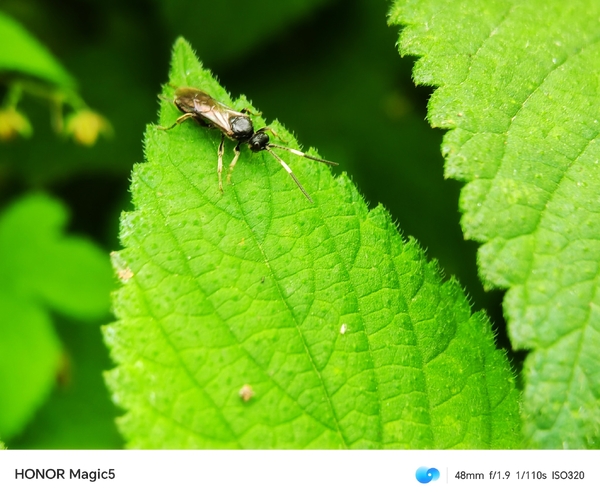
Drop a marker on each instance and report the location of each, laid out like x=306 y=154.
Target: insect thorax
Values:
x=241 y=128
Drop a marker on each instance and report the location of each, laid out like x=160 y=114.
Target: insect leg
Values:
x=220 y=162
x=289 y=171
x=236 y=149
x=181 y=119
x=300 y=153
x=250 y=112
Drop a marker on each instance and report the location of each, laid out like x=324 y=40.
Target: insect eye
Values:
x=258 y=142
x=241 y=127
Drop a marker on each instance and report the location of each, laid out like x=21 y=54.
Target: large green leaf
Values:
x=255 y=319
x=518 y=86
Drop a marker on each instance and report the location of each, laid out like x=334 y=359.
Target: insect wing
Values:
x=211 y=111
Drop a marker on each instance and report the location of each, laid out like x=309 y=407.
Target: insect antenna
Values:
x=289 y=170
x=300 y=153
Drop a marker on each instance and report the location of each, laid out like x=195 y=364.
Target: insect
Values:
x=235 y=125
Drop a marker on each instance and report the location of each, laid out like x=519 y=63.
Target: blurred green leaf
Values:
x=22 y=53
x=519 y=90
x=79 y=413
x=29 y=361
x=40 y=269
x=254 y=319
x=125 y=95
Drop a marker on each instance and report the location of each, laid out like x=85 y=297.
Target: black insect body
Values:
x=236 y=125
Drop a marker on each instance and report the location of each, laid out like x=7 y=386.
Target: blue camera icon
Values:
x=425 y=475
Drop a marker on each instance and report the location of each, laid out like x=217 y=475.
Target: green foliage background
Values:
x=328 y=70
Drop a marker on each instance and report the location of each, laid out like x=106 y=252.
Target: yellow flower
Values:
x=86 y=125
x=13 y=123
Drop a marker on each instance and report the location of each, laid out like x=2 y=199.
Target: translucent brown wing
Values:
x=204 y=107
